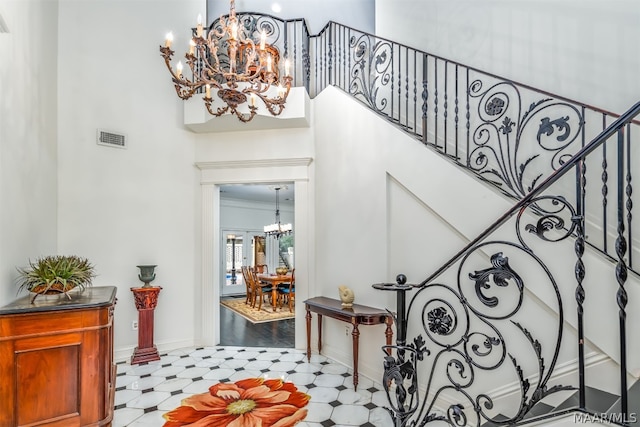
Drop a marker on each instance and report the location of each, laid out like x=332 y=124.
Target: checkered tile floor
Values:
x=145 y=392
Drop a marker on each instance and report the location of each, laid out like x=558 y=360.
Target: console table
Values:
x=56 y=360
x=356 y=315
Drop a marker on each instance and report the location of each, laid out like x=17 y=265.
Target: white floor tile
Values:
x=125 y=416
x=334 y=402
x=318 y=412
x=352 y=415
x=124 y=396
x=324 y=394
x=148 y=400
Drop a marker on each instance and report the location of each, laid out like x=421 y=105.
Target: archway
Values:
x=212 y=176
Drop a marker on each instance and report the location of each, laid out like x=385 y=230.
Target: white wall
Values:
x=28 y=181
x=251 y=215
x=125 y=207
x=384 y=206
x=359 y=14
x=585 y=51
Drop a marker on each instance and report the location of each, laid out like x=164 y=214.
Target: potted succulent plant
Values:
x=55 y=274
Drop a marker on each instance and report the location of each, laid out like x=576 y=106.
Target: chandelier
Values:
x=227 y=61
x=277 y=229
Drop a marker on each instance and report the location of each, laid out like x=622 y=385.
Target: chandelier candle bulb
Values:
x=168 y=40
x=199 y=26
x=269 y=63
x=192 y=47
x=253 y=100
x=234 y=31
x=179 y=69
x=207 y=89
x=263 y=40
x=286 y=67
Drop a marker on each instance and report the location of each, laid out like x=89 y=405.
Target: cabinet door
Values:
x=48 y=378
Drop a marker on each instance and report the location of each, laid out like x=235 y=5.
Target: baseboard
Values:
x=124 y=354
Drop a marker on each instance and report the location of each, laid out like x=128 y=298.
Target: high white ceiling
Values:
x=359 y=14
x=259 y=192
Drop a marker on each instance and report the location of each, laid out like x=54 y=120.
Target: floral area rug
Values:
x=265 y=314
x=245 y=403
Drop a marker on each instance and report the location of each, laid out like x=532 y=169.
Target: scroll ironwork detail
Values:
x=469 y=330
x=502 y=151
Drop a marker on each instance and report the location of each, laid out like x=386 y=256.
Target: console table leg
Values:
x=308 y=334
x=319 y=333
x=355 y=334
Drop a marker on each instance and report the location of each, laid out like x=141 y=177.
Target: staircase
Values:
x=534 y=291
x=605 y=409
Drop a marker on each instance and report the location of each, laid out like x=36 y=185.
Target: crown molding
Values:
x=238 y=164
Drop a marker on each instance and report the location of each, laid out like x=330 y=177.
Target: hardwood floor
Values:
x=235 y=330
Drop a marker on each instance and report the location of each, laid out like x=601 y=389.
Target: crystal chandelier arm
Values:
x=207 y=73
x=184 y=88
x=222 y=110
x=274 y=105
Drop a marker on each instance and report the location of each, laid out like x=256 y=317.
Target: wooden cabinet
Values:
x=56 y=360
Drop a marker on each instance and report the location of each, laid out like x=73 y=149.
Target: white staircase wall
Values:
x=404 y=209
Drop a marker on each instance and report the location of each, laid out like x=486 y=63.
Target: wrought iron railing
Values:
x=509 y=134
x=473 y=319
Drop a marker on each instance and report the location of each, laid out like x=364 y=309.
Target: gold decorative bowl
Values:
x=282 y=270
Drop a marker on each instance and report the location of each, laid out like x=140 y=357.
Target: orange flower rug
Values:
x=245 y=403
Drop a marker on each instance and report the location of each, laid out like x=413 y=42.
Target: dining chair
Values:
x=247 y=283
x=259 y=290
x=288 y=292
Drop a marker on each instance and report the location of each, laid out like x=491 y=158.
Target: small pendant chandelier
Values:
x=277 y=229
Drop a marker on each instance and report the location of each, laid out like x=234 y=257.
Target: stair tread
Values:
x=597 y=400
x=538 y=409
x=633 y=400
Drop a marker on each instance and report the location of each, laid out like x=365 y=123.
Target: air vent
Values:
x=111 y=139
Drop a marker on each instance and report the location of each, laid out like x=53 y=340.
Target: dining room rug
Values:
x=253 y=315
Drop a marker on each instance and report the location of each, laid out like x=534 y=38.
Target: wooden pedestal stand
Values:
x=146 y=300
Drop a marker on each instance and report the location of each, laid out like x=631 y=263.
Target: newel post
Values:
x=401 y=287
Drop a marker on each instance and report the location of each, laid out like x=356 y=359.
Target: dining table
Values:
x=274 y=280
